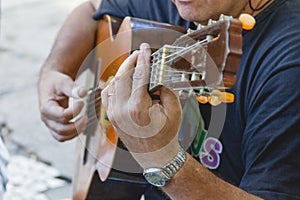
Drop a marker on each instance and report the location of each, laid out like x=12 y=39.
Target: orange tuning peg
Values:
x=224 y=97
x=248 y=21
x=202 y=99
x=214 y=100
x=227 y=97
x=216 y=97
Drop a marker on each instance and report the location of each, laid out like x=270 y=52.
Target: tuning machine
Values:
x=214 y=97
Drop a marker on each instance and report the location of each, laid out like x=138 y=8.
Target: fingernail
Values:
x=144 y=46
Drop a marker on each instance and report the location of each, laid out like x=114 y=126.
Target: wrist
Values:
x=158 y=158
x=161 y=176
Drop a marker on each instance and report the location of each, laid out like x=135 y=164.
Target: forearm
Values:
x=193 y=181
x=74 y=42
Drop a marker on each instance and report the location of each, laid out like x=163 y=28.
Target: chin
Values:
x=188 y=15
x=192 y=14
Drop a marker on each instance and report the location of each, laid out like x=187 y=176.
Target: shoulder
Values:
x=95 y=3
x=270 y=64
x=162 y=11
x=274 y=42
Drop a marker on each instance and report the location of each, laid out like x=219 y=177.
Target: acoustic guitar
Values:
x=201 y=62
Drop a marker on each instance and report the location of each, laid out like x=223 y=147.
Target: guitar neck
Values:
x=204 y=59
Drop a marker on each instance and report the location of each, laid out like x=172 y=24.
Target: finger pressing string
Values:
x=122 y=84
x=142 y=70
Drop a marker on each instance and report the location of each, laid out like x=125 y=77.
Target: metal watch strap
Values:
x=175 y=164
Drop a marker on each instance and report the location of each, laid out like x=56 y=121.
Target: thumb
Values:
x=67 y=87
x=64 y=86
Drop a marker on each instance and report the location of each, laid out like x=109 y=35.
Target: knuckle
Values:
x=43 y=118
x=64 y=120
x=64 y=117
x=60 y=131
x=58 y=137
x=139 y=73
x=135 y=111
x=65 y=79
x=43 y=112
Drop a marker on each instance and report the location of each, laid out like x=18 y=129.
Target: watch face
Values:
x=155 y=177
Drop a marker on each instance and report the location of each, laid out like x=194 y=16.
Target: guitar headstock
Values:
x=201 y=61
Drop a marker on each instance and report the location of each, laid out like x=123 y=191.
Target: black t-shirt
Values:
x=260 y=137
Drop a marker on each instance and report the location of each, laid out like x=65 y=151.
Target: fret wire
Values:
x=182 y=50
x=180 y=73
x=175 y=77
x=173 y=54
x=96 y=100
x=172 y=81
x=177 y=71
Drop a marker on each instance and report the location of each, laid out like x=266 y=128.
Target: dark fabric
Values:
x=261 y=134
x=156 y=10
x=118 y=188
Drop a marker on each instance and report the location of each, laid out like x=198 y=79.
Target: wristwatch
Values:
x=161 y=176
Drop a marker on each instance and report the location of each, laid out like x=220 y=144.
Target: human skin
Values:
x=74 y=42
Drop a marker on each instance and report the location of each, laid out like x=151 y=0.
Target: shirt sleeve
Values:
x=271 y=110
x=271 y=144
x=118 y=8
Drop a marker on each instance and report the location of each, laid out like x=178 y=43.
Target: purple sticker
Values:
x=210 y=157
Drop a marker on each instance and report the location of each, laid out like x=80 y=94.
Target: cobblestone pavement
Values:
x=28 y=29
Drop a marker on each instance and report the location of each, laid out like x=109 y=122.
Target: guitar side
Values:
x=91 y=140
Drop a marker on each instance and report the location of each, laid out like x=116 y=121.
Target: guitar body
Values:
x=116 y=39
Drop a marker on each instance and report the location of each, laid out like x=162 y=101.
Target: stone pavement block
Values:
x=28 y=30
x=30 y=179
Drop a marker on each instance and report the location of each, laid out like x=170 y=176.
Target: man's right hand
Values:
x=55 y=91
